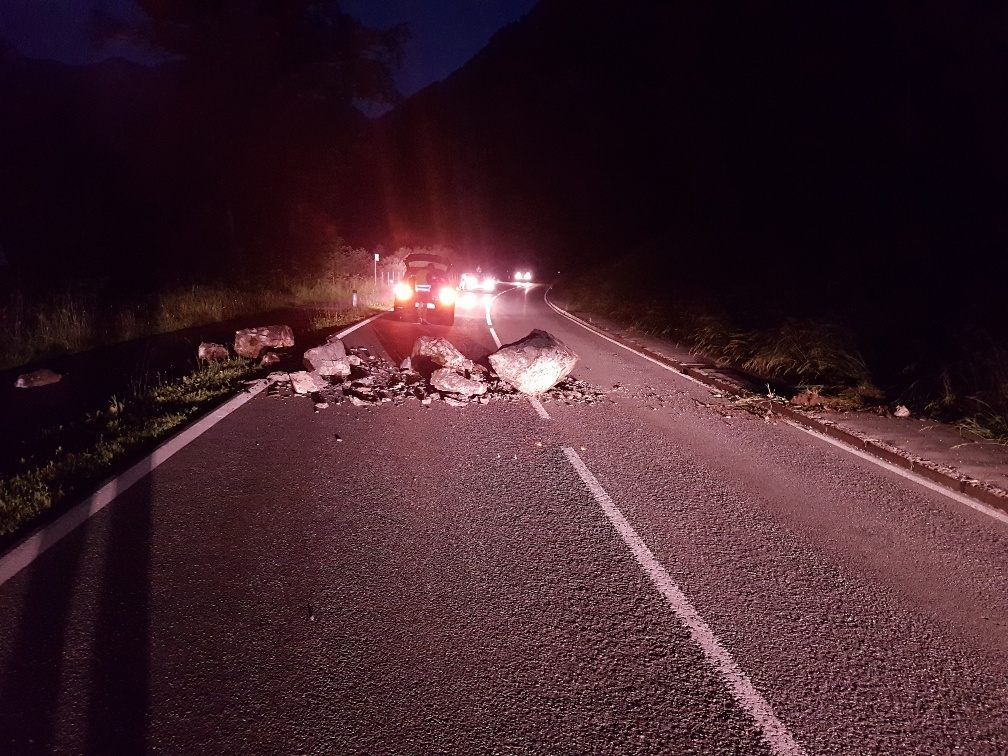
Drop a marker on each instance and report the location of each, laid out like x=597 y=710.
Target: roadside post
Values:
x=354 y=300
x=376 y=268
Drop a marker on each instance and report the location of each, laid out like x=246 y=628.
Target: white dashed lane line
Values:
x=908 y=475
x=775 y=732
x=536 y=404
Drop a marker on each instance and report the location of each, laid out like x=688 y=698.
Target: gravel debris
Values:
x=374 y=381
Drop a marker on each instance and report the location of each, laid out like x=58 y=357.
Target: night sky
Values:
x=444 y=34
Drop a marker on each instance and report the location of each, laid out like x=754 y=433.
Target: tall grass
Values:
x=74 y=321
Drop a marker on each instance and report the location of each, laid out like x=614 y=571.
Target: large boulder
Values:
x=452 y=382
x=535 y=363
x=441 y=352
x=250 y=342
x=329 y=359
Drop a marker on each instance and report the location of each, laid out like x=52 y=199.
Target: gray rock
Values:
x=406 y=364
x=304 y=382
x=210 y=352
x=270 y=358
x=455 y=383
x=42 y=377
x=453 y=402
x=901 y=411
x=329 y=359
x=250 y=342
x=535 y=363
x=441 y=352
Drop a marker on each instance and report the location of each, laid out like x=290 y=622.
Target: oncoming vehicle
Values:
x=521 y=276
x=428 y=289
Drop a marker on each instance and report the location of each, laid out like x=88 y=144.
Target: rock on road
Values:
x=443 y=580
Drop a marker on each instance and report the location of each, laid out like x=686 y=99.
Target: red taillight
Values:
x=403 y=290
x=447 y=295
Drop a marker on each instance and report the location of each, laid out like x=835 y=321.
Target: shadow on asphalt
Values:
x=116 y=678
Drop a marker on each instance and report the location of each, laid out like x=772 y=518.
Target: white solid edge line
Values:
x=930 y=485
x=775 y=733
x=355 y=326
x=919 y=479
x=575 y=319
x=536 y=404
x=40 y=540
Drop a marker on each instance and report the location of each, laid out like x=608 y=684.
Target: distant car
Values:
x=521 y=276
x=427 y=291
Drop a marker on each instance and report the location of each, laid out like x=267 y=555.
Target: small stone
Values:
x=270 y=358
x=901 y=411
x=354 y=360
x=453 y=402
x=42 y=377
x=321 y=405
x=211 y=352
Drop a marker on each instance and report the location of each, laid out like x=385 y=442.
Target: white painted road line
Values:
x=775 y=732
x=39 y=541
x=957 y=497
x=536 y=404
x=997 y=514
x=578 y=321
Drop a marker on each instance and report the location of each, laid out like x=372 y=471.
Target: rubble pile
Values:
x=435 y=371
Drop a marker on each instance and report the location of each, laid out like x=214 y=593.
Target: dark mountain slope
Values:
x=859 y=143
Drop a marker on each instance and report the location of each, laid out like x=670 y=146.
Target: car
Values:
x=427 y=291
x=521 y=276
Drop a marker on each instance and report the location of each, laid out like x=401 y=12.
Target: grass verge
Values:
x=104 y=439
x=75 y=321
x=80 y=453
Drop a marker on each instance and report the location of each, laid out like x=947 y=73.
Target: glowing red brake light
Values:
x=403 y=290
x=447 y=295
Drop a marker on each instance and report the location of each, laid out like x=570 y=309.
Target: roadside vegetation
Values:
x=75 y=456
x=37 y=322
x=965 y=384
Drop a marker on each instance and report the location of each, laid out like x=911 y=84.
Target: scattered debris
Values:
x=250 y=342
x=41 y=377
x=371 y=381
x=535 y=363
x=211 y=352
x=440 y=352
x=454 y=382
x=307 y=383
x=330 y=359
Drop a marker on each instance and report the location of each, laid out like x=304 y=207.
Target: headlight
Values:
x=518 y=275
x=447 y=295
x=403 y=290
x=528 y=275
x=489 y=284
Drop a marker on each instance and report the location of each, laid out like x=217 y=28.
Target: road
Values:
x=661 y=573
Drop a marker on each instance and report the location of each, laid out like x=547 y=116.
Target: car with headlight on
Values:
x=522 y=275
x=427 y=291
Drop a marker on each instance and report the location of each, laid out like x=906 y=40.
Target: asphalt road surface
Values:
x=661 y=573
